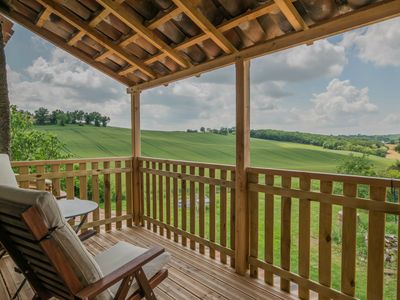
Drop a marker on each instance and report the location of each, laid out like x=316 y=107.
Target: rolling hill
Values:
x=89 y=141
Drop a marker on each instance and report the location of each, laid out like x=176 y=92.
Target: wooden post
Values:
x=135 y=120
x=242 y=162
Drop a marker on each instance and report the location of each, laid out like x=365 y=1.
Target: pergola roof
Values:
x=145 y=43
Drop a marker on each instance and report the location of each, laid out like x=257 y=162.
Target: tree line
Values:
x=42 y=116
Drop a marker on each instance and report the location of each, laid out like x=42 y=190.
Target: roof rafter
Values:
x=248 y=16
x=291 y=14
x=43 y=17
x=143 y=31
x=205 y=25
x=95 y=35
x=368 y=15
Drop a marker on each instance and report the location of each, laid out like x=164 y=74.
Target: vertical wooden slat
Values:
x=304 y=237
x=212 y=213
x=95 y=194
x=192 y=208
x=253 y=209
x=349 y=224
x=183 y=204
x=168 y=198
x=107 y=195
x=201 y=209
x=40 y=183
x=376 y=246
x=141 y=184
x=69 y=181
x=222 y=216
x=160 y=199
x=136 y=151
x=118 y=194
x=24 y=171
x=148 y=195
x=286 y=218
x=55 y=183
x=233 y=219
x=325 y=238
x=242 y=162
x=83 y=192
x=154 y=195
x=175 y=202
x=128 y=187
x=269 y=230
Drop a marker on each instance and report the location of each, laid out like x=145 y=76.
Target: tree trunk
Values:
x=5 y=121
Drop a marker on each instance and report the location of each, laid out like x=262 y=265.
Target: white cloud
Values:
x=378 y=44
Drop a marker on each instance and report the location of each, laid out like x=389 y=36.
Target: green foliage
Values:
x=27 y=143
x=357 y=165
x=42 y=116
x=364 y=144
x=397 y=148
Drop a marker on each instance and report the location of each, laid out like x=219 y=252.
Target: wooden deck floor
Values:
x=191 y=275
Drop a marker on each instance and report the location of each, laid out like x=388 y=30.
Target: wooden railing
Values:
x=323 y=232
x=191 y=201
x=104 y=180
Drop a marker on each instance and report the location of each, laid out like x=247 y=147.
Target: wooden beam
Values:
x=248 y=16
x=96 y=35
x=242 y=162
x=43 y=17
x=204 y=24
x=291 y=14
x=143 y=31
x=368 y=15
x=135 y=124
x=61 y=43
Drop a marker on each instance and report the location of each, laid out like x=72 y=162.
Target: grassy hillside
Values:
x=88 y=141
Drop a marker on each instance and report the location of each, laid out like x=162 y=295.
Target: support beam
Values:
x=43 y=17
x=291 y=14
x=135 y=124
x=143 y=31
x=205 y=25
x=242 y=162
x=75 y=21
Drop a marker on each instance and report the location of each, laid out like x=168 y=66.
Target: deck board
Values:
x=191 y=275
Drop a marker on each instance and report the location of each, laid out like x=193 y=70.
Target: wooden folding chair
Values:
x=55 y=262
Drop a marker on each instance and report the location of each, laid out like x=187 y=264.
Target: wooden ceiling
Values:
x=146 y=43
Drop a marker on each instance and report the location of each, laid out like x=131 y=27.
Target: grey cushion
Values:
x=122 y=253
x=7 y=176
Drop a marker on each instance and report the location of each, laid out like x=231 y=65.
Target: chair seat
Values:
x=122 y=253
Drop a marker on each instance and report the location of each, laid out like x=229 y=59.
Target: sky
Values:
x=347 y=84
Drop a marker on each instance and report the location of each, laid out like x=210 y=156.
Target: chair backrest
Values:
x=7 y=176
x=43 y=245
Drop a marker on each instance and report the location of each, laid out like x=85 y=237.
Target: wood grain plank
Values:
x=183 y=204
x=161 y=198
x=253 y=209
x=201 y=210
x=223 y=216
x=118 y=194
x=212 y=212
x=168 y=199
x=286 y=219
x=192 y=208
x=269 y=230
x=107 y=195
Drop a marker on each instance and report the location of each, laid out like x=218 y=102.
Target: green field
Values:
x=89 y=141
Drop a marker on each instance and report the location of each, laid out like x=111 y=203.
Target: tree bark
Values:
x=5 y=139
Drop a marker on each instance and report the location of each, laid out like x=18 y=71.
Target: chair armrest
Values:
x=124 y=271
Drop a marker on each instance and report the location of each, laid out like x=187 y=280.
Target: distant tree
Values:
x=42 y=116
x=80 y=114
x=397 y=148
x=104 y=121
x=223 y=131
x=88 y=118
x=202 y=129
x=357 y=165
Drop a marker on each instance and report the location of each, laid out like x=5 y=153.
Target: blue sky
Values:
x=347 y=84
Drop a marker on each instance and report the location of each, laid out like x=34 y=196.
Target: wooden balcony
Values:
x=309 y=233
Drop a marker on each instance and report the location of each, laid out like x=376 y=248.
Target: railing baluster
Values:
x=175 y=200
x=304 y=237
x=168 y=199
x=201 y=209
x=253 y=207
x=128 y=191
x=212 y=213
x=154 y=192
x=148 y=195
x=192 y=208
x=183 y=204
x=95 y=194
x=24 y=171
x=222 y=216
x=118 y=194
x=269 y=230
x=40 y=183
x=376 y=246
x=69 y=181
x=349 y=224
x=325 y=238
x=83 y=184
x=55 y=182
x=107 y=195
x=286 y=218
x=232 y=217
x=161 y=198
